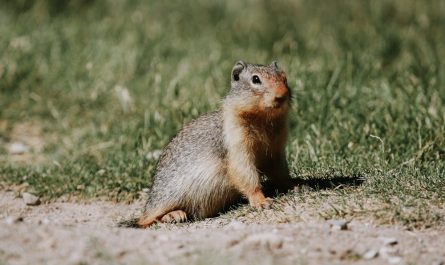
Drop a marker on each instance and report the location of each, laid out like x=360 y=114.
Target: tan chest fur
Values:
x=265 y=138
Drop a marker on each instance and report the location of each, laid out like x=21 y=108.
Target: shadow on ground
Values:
x=321 y=183
x=330 y=182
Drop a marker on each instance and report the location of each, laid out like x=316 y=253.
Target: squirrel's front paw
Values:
x=266 y=204
x=258 y=200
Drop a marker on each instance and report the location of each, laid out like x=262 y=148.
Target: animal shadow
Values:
x=324 y=182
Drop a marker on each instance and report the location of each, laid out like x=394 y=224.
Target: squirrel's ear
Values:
x=274 y=65
x=237 y=69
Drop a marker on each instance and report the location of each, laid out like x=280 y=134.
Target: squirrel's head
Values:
x=259 y=90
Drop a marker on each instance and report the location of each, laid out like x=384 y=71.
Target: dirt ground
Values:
x=72 y=233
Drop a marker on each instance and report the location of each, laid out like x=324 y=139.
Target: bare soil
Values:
x=86 y=233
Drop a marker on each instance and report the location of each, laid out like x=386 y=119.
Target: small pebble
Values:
x=338 y=224
x=370 y=254
x=30 y=199
x=154 y=155
x=45 y=221
x=232 y=243
x=389 y=241
x=387 y=251
x=13 y=220
x=264 y=240
x=236 y=225
x=394 y=260
x=17 y=148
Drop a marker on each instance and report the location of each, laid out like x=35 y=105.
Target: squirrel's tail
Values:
x=129 y=223
x=147 y=219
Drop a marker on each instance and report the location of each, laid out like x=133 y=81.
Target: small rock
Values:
x=394 y=260
x=30 y=199
x=143 y=194
x=389 y=241
x=338 y=224
x=264 y=240
x=17 y=148
x=387 y=251
x=13 y=220
x=370 y=254
x=154 y=155
x=350 y=254
x=232 y=243
x=162 y=238
x=45 y=221
x=236 y=225
x=122 y=253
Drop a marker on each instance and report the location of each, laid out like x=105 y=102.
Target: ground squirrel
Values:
x=223 y=155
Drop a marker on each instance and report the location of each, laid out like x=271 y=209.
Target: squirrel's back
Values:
x=190 y=171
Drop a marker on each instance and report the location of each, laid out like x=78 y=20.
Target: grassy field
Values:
x=93 y=88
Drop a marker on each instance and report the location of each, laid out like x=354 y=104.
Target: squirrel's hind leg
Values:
x=177 y=216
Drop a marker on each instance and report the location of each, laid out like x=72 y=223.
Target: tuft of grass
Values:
x=109 y=83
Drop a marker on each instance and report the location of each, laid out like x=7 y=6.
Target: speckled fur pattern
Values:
x=221 y=156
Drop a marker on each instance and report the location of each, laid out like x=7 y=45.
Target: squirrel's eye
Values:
x=256 y=79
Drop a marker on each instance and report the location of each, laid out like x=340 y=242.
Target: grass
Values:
x=367 y=75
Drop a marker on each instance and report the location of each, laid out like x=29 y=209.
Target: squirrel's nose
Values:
x=281 y=94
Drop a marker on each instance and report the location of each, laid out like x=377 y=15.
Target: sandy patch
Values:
x=76 y=233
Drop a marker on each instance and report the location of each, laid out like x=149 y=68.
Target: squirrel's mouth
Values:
x=278 y=104
x=277 y=109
